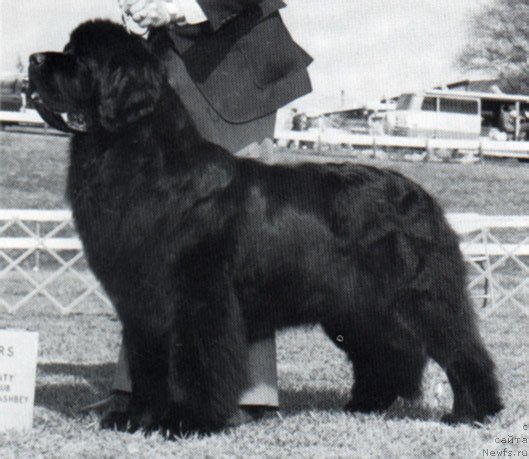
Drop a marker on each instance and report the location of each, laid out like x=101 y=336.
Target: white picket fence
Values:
x=28 y=116
x=497 y=250
x=328 y=136
x=42 y=262
x=483 y=147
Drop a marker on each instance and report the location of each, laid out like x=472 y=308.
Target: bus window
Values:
x=469 y=107
x=404 y=102
x=429 y=104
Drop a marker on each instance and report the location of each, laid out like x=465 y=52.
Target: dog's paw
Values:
x=120 y=421
x=452 y=419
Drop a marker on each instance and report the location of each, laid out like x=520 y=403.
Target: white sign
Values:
x=18 y=367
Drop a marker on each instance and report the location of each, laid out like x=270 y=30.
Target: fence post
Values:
x=37 y=252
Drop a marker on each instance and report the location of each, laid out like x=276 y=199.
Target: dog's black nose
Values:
x=37 y=58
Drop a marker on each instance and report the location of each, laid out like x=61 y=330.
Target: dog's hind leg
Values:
x=446 y=325
x=387 y=362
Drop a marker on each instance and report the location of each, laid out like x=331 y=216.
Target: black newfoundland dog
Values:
x=203 y=253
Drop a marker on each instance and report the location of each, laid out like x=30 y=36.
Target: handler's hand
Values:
x=151 y=13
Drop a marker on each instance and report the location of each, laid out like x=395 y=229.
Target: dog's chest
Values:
x=100 y=193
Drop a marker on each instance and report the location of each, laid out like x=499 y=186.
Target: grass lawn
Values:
x=75 y=368
x=33 y=169
x=77 y=352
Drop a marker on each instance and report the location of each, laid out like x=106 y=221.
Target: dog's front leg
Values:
x=208 y=361
x=147 y=358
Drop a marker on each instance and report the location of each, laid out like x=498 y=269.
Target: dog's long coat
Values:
x=202 y=253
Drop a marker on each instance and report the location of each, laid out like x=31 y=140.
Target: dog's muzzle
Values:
x=72 y=121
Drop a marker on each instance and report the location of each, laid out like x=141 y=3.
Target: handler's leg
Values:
x=262 y=371
x=122 y=382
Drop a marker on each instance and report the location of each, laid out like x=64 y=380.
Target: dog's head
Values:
x=104 y=79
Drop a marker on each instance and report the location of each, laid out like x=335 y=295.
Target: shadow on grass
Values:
x=93 y=382
x=298 y=401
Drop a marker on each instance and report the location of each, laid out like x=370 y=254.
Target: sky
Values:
x=369 y=49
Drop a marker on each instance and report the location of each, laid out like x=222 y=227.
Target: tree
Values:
x=499 y=44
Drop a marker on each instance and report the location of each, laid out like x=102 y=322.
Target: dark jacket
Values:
x=243 y=60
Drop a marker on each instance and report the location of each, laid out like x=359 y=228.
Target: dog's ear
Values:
x=129 y=91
